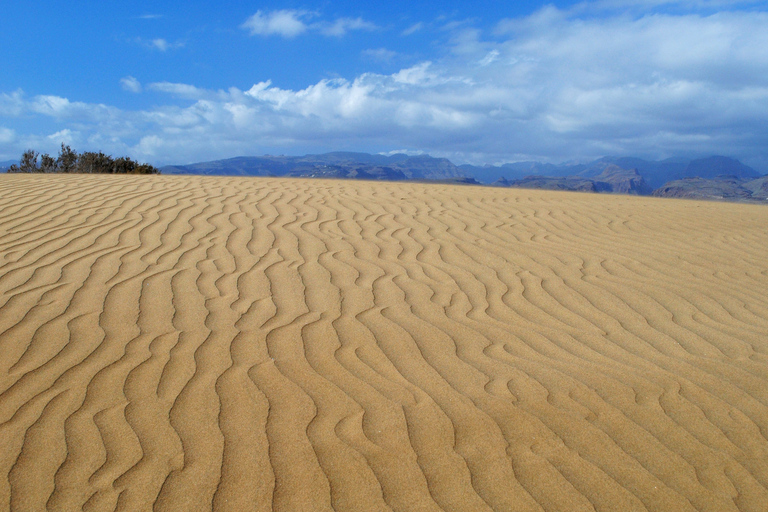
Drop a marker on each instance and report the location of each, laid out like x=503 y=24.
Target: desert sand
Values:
x=185 y=343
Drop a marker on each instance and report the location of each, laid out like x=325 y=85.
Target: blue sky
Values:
x=479 y=82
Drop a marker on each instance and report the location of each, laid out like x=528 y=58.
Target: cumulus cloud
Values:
x=284 y=22
x=64 y=109
x=290 y=23
x=549 y=86
x=130 y=84
x=65 y=136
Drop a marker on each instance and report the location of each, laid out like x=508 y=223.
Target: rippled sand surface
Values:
x=193 y=343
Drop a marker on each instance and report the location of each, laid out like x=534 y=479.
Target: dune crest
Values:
x=197 y=343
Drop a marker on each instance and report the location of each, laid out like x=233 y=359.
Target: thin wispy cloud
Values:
x=6 y=135
x=416 y=27
x=289 y=23
x=130 y=84
x=164 y=46
x=379 y=54
x=159 y=44
x=341 y=26
x=180 y=90
x=490 y=58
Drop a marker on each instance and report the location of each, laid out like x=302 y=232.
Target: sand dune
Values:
x=192 y=343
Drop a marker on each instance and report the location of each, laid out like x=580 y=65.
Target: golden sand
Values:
x=194 y=343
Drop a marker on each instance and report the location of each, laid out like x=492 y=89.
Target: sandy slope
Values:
x=192 y=343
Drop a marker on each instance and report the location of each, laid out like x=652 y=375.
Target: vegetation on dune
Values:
x=88 y=162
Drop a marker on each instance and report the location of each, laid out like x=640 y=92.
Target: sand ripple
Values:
x=193 y=343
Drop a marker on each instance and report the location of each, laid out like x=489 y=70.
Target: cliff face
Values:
x=623 y=181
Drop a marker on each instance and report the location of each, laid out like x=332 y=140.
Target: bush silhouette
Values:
x=87 y=162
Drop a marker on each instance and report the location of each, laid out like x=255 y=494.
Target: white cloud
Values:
x=490 y=57
x=6 y=135
x=290 y=23
x=645 y=5
x=130 y=84
x=409 y=152
x=61 y=108
x=285 y=22
x=379 y=54
x=413 y=29
x=11 y=105
x=180 y=90
x=158 y=44
x=341 y=26
x=551 y=86
x=163 y=45
x=65 y=136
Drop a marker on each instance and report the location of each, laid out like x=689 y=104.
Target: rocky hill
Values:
x=623 y=181
x=723 y=188
x=612 y=179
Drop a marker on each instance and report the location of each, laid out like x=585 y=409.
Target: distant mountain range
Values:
x=655 y=173
x=714 y=177
x=328 y=165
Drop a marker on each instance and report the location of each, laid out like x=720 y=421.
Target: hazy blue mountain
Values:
x=654 y=173
x=516 y=171
x=714 y=166
x=626 y=175
x=336 y=165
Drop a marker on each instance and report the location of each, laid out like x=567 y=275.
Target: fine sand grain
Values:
x=193 y=343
